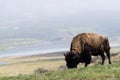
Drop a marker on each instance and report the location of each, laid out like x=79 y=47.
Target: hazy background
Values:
x=40 y=26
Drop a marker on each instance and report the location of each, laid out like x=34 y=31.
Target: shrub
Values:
x=62 y=67
x=40 y=70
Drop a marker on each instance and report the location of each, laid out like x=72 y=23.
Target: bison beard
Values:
x=83 y=46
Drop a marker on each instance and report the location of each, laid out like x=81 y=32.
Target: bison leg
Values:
x=87 y=60
x=86 y=64
x=103 y=58
x=108 y=56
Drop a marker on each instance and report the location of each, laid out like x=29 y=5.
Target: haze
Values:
x=55 y=22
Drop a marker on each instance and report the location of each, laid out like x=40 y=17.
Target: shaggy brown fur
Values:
x=94 y=40
x=86 y=44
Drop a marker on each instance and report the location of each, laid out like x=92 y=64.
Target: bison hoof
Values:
x=110 y=62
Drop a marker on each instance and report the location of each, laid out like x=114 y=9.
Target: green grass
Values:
x=96 y=72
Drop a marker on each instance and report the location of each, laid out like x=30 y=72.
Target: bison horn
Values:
x=64 y=54
x=75 y=56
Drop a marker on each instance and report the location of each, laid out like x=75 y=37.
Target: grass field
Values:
x=23 y=68
x=96 y=72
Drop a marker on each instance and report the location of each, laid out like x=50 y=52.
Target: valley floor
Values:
x=53 y=61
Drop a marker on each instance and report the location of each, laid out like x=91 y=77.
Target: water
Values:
x=32 y=52
x=4 y=63
x=115 y=44
x=40 y=50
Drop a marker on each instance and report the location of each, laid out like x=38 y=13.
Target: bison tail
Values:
x=106 y=44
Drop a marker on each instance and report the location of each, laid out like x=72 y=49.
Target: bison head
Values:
x=72 y=60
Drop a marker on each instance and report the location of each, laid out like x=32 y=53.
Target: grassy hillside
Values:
x=52 y=67
x=96 y=72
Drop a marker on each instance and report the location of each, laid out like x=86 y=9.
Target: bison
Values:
x=85 y=45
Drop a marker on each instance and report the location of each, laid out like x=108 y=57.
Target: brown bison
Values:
x=83 y=46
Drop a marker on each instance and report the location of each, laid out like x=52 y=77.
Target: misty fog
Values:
x=31 y=25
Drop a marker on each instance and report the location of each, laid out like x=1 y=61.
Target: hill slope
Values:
x=96 y=72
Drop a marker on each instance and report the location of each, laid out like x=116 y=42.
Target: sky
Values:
x=39 y=14
x=47 y=9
